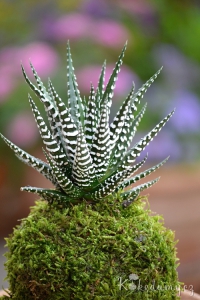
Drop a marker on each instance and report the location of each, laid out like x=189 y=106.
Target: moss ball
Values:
x=85 y=251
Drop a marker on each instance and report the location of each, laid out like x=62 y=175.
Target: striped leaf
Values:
x=108 y=94
x=51 y=144
x=83 y=172
x=134 y=152
x=75 y=103
x=126 y=135
x=40 y=83
x=87 y=158
x=31 y=161
x=110 y=184
x=131 y=130
x=118 y=122
x=91 y=117
x=64 y=182
x=132 y=194
x=102 y=80
x=68 y=129
x=32 y=86
x=54 y=122
x=100 y=149
x=49 y=106
x=49 y=195
x=140 y=93
x=134 y=179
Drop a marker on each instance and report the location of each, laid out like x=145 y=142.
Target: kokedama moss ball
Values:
x=92 y=252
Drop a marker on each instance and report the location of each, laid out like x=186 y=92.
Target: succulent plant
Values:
x=90 y=163
x=88 y=158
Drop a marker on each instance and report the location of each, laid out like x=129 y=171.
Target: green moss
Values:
x=89 y=252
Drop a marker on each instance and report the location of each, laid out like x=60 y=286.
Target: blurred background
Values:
x=159 y=33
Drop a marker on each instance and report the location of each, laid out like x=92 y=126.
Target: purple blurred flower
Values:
x=187 y=117
x=163 y=145
x=22 y=130
x=71 y=26
x=179 y=70
x=97 y=8
x=141 y=7
x=109 y=33
x=91 y=74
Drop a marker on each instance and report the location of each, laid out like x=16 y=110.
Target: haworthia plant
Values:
x=88 y=158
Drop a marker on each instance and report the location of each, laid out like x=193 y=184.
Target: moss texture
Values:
x=92 y=252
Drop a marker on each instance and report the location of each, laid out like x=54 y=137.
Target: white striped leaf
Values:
x=51 y=144
x=102 y=80
x=91 y=117
x=68 y=130
x=46 y=99
x=108 y=93
x=110 y=184
x=118 y=122
x=132 y=194
x=137 y=177
x=37 y=164
x=75 y=103
x=126 y=135
x=87 y=157
x=83 y=172
x=100 y=149
x=64 y=182
x=134 y=152
x=49 y=195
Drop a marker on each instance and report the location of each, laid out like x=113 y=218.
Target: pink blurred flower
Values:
x=42 y=56
x=77 y=25
x=71 y=26
x=23 y=130
x=91 y=74
x=141 y=7
x=109 y=33
x=7 y=83
x=7 y=73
